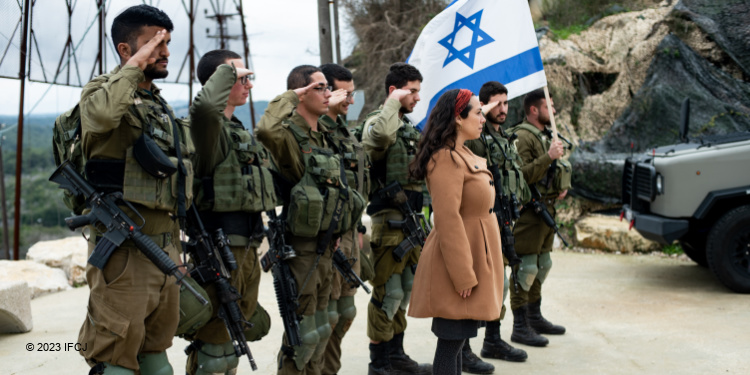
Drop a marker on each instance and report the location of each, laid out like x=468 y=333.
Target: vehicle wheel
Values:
x=695 y=249
x=728 y=249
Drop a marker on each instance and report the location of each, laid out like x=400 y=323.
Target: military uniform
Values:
x=133 y=306
x=305 y=158
x=391 y=142
x=231 y=190
x=533 y=237
x=341 y=308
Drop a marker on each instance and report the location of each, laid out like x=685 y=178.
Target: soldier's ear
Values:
x=391 y=89
x=123 y=49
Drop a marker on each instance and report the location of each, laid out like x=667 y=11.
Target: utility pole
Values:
x=19 y=142
x=246 y=49
x=6 y=240
x=325 y=32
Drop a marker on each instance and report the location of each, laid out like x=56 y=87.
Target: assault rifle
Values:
x=214 y=261
x=275 y=260
x=341 y=262
x=504 y=209
x=412 y=225
x=116 y=224
x=541 y=210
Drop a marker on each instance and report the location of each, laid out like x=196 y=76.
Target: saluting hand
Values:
x=242 y=72
x=398 y=94
x=337 y=97
x=489 y=106
x=142 y=57
x=304 y=90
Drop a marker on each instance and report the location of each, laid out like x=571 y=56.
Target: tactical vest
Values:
x=314 y=198
x=563 y=169
x=137 y=185
x=239 y=183
x=357 y=163
x=513 y=182
x=395 y=165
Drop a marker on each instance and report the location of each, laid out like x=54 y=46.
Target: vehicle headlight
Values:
x=659 y=183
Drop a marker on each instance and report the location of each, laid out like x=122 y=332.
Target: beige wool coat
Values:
x=463 y=249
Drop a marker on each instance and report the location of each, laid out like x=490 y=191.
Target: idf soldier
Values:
x=233 y=191
x=390 y=140
x=133 y=308
x=494 y=146
x=302 y=150
x=544 y=168
x=341 y=309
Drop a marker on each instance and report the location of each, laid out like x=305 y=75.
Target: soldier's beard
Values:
x=151 y=72
x=495 y=121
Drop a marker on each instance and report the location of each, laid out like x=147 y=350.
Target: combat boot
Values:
x=472 y=364
x=379 y=362
x=541 y=325
x=495 y=347
x=401 y=363
x=522 y=331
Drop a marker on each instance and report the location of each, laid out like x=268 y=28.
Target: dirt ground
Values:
x=624 y=315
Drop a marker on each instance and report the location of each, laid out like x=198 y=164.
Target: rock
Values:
x=69 y=254
x=40 y=278
x=15 y=307
x=608 y=233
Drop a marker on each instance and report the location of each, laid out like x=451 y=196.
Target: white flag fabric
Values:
x=475 y=41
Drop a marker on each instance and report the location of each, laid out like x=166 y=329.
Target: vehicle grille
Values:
x=645 y=182
x=627 y=182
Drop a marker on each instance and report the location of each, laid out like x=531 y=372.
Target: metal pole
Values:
x=324 y=26
x=6 y=240
x=246 y=45
x=191 y=51
x=19 y=142
x=337 y=42
x=100 y=57
x=334 y=30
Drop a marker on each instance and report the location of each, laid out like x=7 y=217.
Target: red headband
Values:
x=462 y=100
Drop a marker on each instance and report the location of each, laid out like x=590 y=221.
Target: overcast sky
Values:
x=282 y=35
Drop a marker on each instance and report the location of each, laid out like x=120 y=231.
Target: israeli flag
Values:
x=475 y=41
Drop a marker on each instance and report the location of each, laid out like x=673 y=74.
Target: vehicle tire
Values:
x=695 y=249
x=728 y=249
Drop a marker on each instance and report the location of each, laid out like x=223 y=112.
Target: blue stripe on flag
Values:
x=505 y=72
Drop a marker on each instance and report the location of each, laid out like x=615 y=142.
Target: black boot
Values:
x=522 y=331
x=541 y=325
x=401 y=363
x=379 y=362
x=472 y=364
x=495 y=347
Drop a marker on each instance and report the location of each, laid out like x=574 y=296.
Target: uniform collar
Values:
x=331 y=123
x=300 y=121
x=154 y=89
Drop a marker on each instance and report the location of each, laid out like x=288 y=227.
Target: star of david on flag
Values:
x=478 y=39
x=475 y=41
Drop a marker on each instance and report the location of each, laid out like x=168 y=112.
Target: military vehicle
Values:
x=698 y=193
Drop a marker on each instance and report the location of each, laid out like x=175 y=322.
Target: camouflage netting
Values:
x=720 y=103
x=727 y=23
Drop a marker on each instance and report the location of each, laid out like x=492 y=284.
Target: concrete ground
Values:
x=624 y=315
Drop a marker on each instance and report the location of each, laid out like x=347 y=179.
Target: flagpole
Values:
x=551 y=114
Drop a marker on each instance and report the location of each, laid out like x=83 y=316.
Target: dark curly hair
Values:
x=126 y=27
x=439 y=132
x=400 y=74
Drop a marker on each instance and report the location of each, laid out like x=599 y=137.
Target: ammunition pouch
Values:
x=140 y=186
x=151 y=157
x=193 y=314
x=560 y=180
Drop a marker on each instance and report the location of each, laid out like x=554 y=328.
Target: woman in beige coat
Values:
x=459 y=280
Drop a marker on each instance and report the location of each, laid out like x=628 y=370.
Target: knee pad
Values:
x=232 y=359
x=310 y=338
x=154 y=364
x=324 y=332
x=261 y=322
x=209 y=359
x=105 y=368
x=407 y=281
x=394 y=294
x=333 y=312
x=545 y=264
x=527 y=271
x=347 y=311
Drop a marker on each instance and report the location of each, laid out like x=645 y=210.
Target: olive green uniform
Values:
x=391 y=144
x=133 y=307
x=230 y=194
x=494 y=146
x=533 y=237
x=285 y=134
x=341 y=309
